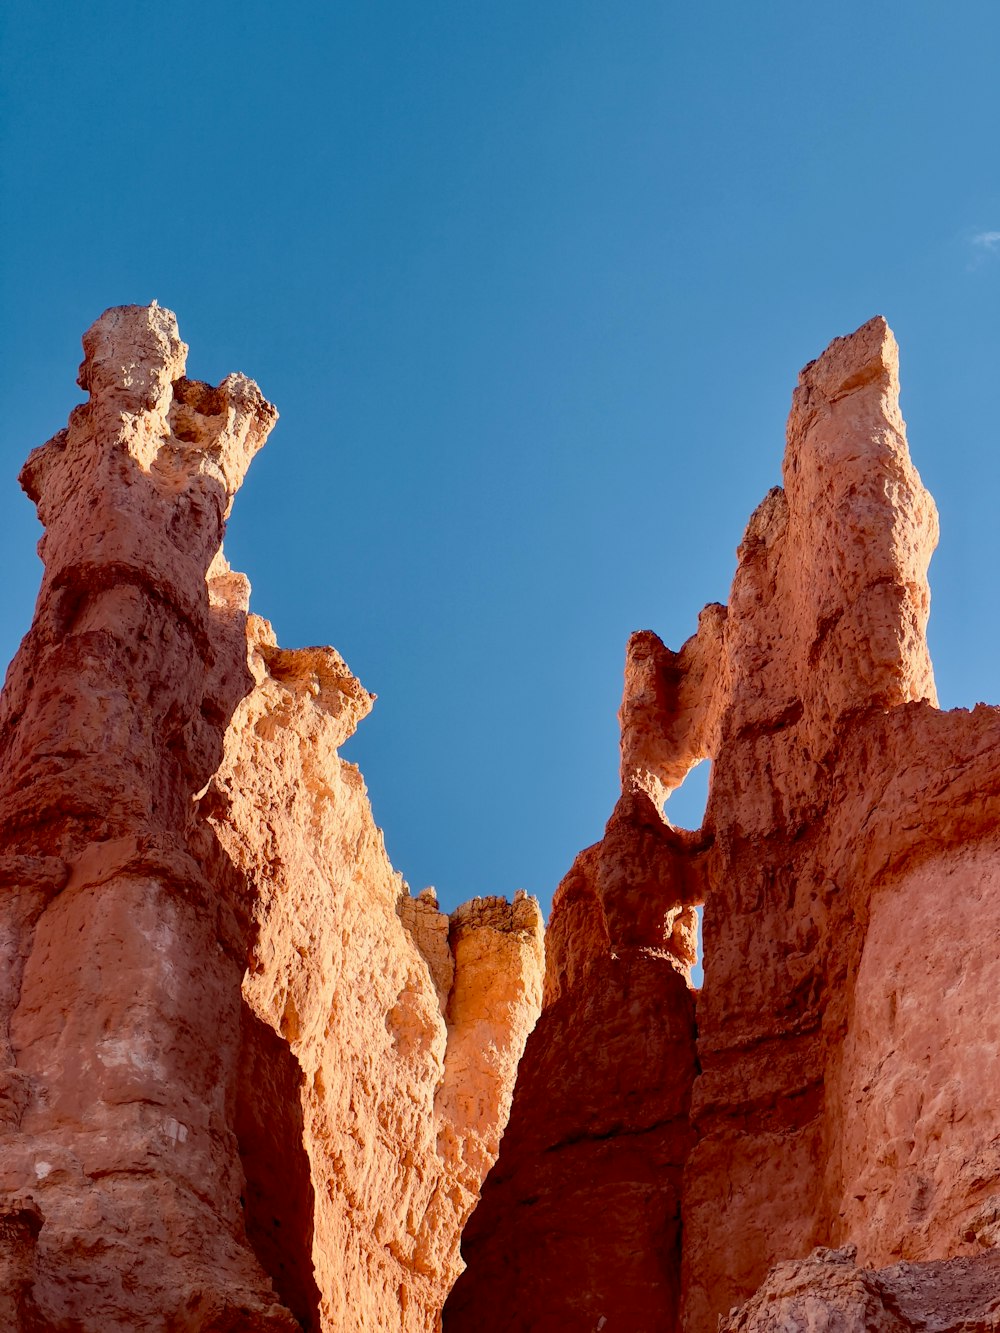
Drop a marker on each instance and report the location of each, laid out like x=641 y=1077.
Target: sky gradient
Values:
x=530 y=286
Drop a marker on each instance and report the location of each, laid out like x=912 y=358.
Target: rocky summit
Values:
x=249 y=1082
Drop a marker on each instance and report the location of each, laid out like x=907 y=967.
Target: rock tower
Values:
x=832 y=1092
x=247 y=1082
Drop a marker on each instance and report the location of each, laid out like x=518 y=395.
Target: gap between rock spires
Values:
x=248 y=1082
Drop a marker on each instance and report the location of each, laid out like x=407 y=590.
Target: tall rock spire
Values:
x=246 y=1080
x=844 y=814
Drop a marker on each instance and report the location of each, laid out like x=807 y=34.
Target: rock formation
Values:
x=834 y=1083
x=246 y=1081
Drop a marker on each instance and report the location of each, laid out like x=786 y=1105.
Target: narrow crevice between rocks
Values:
x=278 y=1201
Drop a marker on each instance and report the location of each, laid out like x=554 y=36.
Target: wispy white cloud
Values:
x=981 y=247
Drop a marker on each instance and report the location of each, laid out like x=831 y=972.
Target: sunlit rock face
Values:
x=246 y=1080
x=834 y=1082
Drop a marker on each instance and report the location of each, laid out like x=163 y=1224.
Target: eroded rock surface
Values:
x=246 y=1081
x=838 y=1087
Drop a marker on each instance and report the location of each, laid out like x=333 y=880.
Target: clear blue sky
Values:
x=530 y=285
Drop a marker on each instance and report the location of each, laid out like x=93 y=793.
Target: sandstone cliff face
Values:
x=838 y=1084
x=246 y=1081
x=580 y=1219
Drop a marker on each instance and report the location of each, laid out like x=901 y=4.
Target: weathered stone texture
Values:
x=840 y=1087
x=826 y=1293
x=246 y=1082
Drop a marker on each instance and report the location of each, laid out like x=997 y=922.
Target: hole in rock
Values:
x=698 y=971
x=685 y=806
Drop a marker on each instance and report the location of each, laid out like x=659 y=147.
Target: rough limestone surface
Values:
x=834 y=1081
x=247 y=1082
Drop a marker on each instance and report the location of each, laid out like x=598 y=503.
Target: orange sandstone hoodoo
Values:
x=838 y=1104
x=246 y=1081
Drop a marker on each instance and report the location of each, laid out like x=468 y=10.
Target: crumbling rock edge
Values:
x=827 y=1291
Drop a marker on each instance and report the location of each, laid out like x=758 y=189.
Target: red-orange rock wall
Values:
x=246 y=1081
x=591 y=1163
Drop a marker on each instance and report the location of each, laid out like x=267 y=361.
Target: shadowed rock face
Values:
x=837 y=1088
x=246 y=1081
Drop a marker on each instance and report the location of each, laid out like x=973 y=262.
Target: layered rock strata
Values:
x=836 y=1085
x=246 y=1081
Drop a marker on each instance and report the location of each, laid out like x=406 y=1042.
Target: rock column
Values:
x=246 y=1081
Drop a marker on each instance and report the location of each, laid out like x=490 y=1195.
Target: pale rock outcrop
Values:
x=839 y=1087
x=246 y=1082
